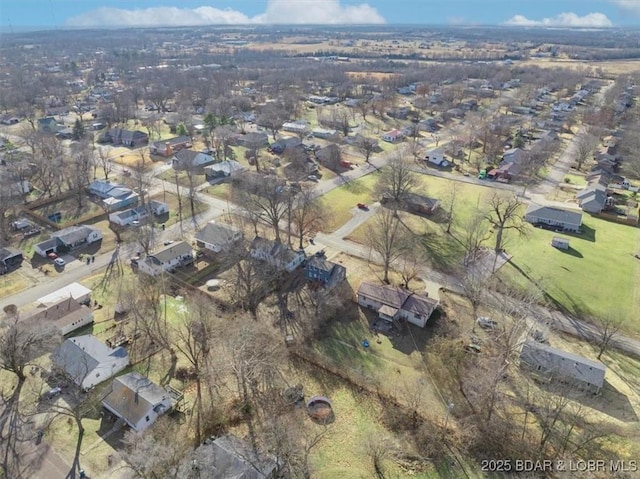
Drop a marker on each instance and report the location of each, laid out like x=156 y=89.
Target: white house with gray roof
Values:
x=67 y=239
x=554 y=217
x=167 y=258
x=217 y=237
x=137 y=401
x=87 y=361
x=556 y=364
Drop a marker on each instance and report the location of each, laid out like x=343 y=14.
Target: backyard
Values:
x=595 y=277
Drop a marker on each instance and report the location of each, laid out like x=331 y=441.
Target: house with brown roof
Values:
x=66 y=314
x=393 y=303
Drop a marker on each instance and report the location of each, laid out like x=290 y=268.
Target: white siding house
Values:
x=167 y=258
x=137 y=401
x=87 y=361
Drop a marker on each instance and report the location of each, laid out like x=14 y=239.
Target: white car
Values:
x=59 y=262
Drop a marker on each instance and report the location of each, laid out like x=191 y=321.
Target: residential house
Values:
x=120 y=136
x=67 y=239
x=114 y=196
x=224 y=169
x=276 y=254
x=67 y=315
x=393 y=136
x=87 y=361
x=298 y=127
x=167 y=258
x=49 y=125
x=139 y=214
x=420 y=204
x=217 y=237
x=137 y=401
x=514 y=155
x=554 y=217
x=79 y=293
x=10 y=258
x=319 y=270
x=185 y=159
x=280 y=146
x=254 y=139
x=399 y=113
x=101 y=188
x=325 y=134
x=331 y=157
x=229 y=457
x=594 y=198
x=393 y=303
x=436 y=157
x=555 y=364
x=169 y=146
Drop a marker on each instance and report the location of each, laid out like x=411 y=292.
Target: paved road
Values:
x=77 y=270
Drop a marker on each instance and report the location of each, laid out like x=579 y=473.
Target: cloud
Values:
x=632 y=6
x=319 y=12
x=278 y=11
x=569 y=19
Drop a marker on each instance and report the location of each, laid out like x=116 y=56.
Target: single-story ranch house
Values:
x=167 y=258
x=556 y=364
x=554 y=217
x=67 y=239
x=88 y=361
x=217 y=237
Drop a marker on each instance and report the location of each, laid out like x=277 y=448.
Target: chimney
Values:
x=167 y=150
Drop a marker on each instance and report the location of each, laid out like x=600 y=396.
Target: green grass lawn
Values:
x=222 y=191
x=598 y=272
x=596 y=276
x=341 y=200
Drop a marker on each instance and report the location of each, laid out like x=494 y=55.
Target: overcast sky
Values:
x=96 y=13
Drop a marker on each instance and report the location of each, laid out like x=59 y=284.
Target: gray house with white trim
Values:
x=556 y=364
x=555 y=217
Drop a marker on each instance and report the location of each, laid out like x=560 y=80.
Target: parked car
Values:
x=51 y=393
x=59 y=262
x=486 y=323
x=52 y=255
x=313 y=178
x=482 y=175
x=362 y=206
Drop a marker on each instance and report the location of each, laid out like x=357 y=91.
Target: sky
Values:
x=18 y=14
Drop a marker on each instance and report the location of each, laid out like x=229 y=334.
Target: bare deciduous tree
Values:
x=307 y=214
x=366 y=146
x=505 y=214
x=397 y=179
x=386 y=237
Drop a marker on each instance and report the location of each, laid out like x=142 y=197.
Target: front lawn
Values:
x=340 y=201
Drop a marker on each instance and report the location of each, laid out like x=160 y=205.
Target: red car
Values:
x=52 y=255
x=362 y=206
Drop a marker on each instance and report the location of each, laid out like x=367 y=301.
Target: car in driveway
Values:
x=59 y=262
x=363 y=207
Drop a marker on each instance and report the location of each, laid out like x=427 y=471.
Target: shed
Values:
x=560 y=243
